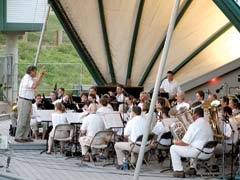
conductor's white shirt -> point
(25, 87)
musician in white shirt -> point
(230, 131)
(170, 85)
(134, 128)
(120, 95)
(162, 126)
(58, 117)
(181, 104)
(197, 134)
(35, 118)
(91, 125)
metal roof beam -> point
(202, 46)
(134, 40)
(106, 41)
(77, 42)
(183, 9)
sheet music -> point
(112, 120)
(76, 117)
(45, 115)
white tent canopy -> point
(121, 41)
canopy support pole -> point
(41, 37)
(156, 87)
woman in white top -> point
(58, 117)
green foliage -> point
(63, 64)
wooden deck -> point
(28, 164)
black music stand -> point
(45, 150)
(164, 94)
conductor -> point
(27, 86)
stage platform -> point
(28, 164)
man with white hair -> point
(181, 104)
(91, 125)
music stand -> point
(167, 123)
(112, 120)
(164, 94)
(223, 149)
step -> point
(35, 145)
(4, 108)
(4, 117)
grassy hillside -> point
(53, 57)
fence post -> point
(59, 37)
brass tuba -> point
(211, 114)
(178, 130)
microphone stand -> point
(233, 131)
(223, 151)
(226, 120)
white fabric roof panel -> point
(199, 22)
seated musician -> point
(193, 140)
(160, 103)
(144, 98)
(162, 127)
(68, 102)
(181, 101)
(93, 90)
(107, 97)
(58, 117)
(235, 106)
(120, 93)
(200, 95)
(160, 130)
(129, 103)
(230, 132)
(212, 97)
(103, 106)
(134, 128)
(81, 101)
(35, 121)
(60, 93)
(145, 114)
(92, 103)
(91, 124)
(84, 97)
(122, 110)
